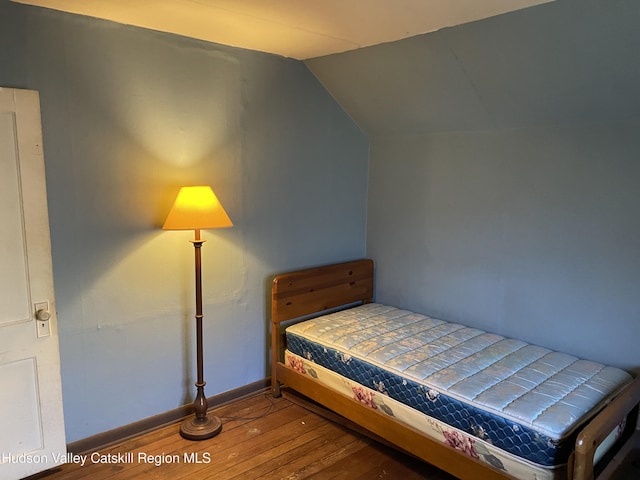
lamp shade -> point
(196, 208)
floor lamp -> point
(197, 208)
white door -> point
(31, 421)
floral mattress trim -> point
(435, 429)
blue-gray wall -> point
(532, 233)
(130, 115)
(504, 187)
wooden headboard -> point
(301, 293)
(314, 290)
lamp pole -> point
(196, 208)
(201, 426)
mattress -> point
(515, 401)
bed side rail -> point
(599, 428)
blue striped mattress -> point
(524, 399)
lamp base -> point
(200, 428)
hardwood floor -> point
(262, 438)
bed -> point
(472, 403)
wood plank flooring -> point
(262, 438)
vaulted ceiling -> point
(299, 29)
(565, 62)
(395, 68)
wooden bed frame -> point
(309, 292)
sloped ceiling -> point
(566, 62)
(293, 28)
(490, 64)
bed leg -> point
(275, 389)
(278, 342)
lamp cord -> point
(268, 396)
